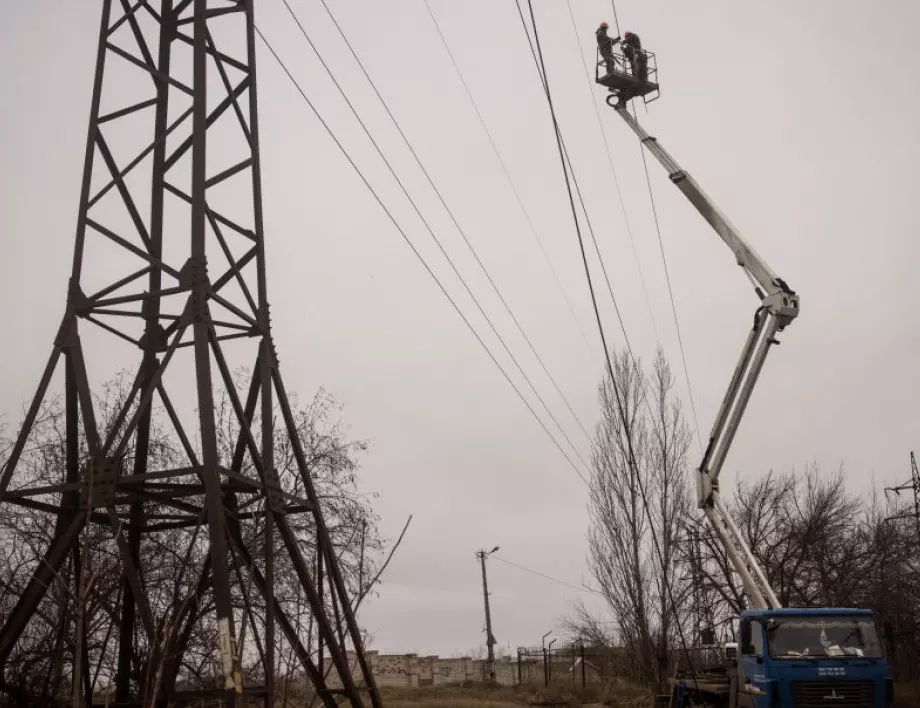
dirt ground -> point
(907, 696)
(481, 697)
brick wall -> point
(412, 670)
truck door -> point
(753, 678)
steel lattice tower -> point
(177, 286)
(914, 486)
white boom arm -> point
(779, 306)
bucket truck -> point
(783, 657)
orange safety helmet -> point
(604, 25)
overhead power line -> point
(597, 248)
(667, 275)
(580, 588)
(543, 79)
(619, 402)
(616, 181)
(453, 219)
(417, 254)
(510, 180)
(571, 196)
(616, 20)
(437, 241)
(569, 171)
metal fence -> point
(573, 663)
(583, 664)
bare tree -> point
(669, 446)
(638, 504)
(658, 564)
(806, 530)
(822, 545)
(88, 590)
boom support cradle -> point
(779, 305)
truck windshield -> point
(824, 636)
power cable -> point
(437, 241)
(597, 248)
(568, 165)
(616, 20)
(584, 209)
(543, 79)
(571, 171)
(613, 172)
(667, 275)
(581, 588)
(453, 218)
(459, 590)
(507, 173)
(683, 356)
(600, 325)
(418, 255)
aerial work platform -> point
(623, 81)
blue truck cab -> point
(811, 658)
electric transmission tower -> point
(704, 633)
(168, 269)
(913, 486)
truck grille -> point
(824, 694)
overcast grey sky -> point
(799, 119)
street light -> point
(490, 639)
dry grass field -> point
(481, 697)
(908, 696)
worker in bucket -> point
(632, 49)
(605, 45)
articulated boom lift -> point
(779, 306)
(787, 658)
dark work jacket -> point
(603, 40)
(633, 41)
